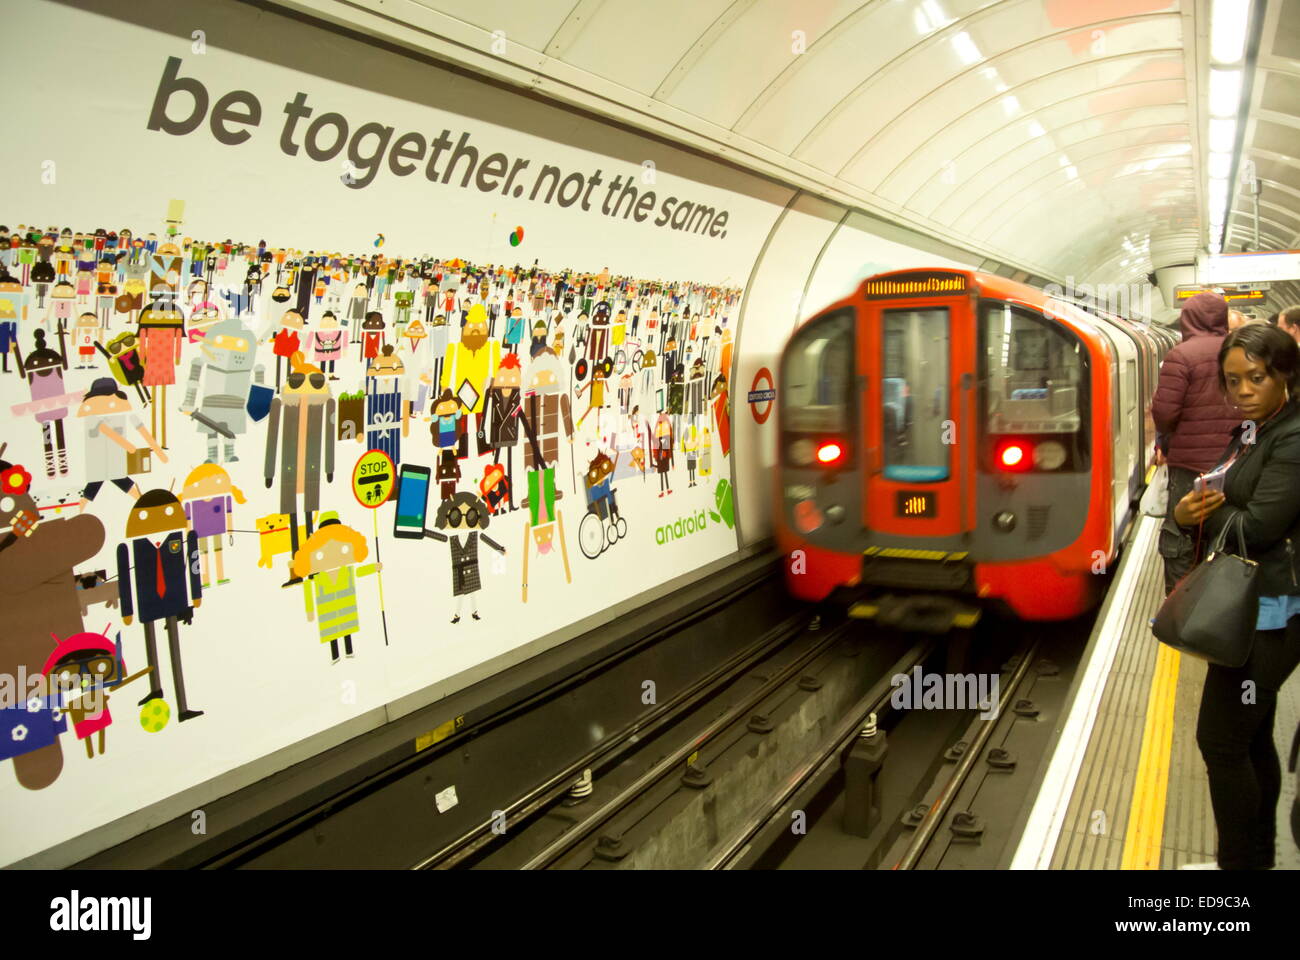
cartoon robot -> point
(388, 416)
(600, 372)
(470, 366)
(227, 371)
(162, 329)
(724, 501)
(210, 500)
(285, 342)
(125, 362)
(545, 411)
(661, 451)
(466, 516)
(503, 417)
(158, 579)
(404, 300)
(303, 413)
(330, 558)
(85, 667)
(602, 526)
(43, 369)
(87, 330)
(328, 342)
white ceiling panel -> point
(1116, 154)
(993, 161)
(763, 37)
(530, 24)
(989, 140)
(1057, 136)
(821, 80)
(636, 44)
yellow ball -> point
(154, 715)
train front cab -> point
(937, 454)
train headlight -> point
(1005, 521)
(830, 452)
(1012, 456)
(802, 452)
(1049, 455)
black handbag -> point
(1211, 613)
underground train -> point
(951, 442)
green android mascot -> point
(722, 499)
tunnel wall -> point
(257, 661)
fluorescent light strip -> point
(1228, 30)
(1225, 92)
(1218, 193)
(1223, 134)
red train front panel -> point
(941, 437)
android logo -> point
(723, 501)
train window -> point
(1033, 383)
(914, 398)
(817, 381)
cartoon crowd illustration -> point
(515, 399)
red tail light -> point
(1016, 455)
(829, 453)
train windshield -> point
(915, 401)
(817, 383)
(1032, 374)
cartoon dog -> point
(273, 537)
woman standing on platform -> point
(1259, 372)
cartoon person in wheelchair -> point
(602, 526)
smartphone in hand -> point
(1212, 480)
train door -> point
(917, 349)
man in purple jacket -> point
(1191, 413)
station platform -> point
(1126, 787)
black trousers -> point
(1176, 547)
(1235, 733)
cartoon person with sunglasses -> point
(302, 430)
(466, 515)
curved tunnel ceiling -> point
(1062, 137)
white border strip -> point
(1043, 828)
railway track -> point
(685, 797)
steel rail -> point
(671, 763)
(926, 828)
(555, 786)
(732, 848)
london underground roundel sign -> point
(762, 394)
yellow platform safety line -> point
(1146, 816)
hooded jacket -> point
(1189, 408)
